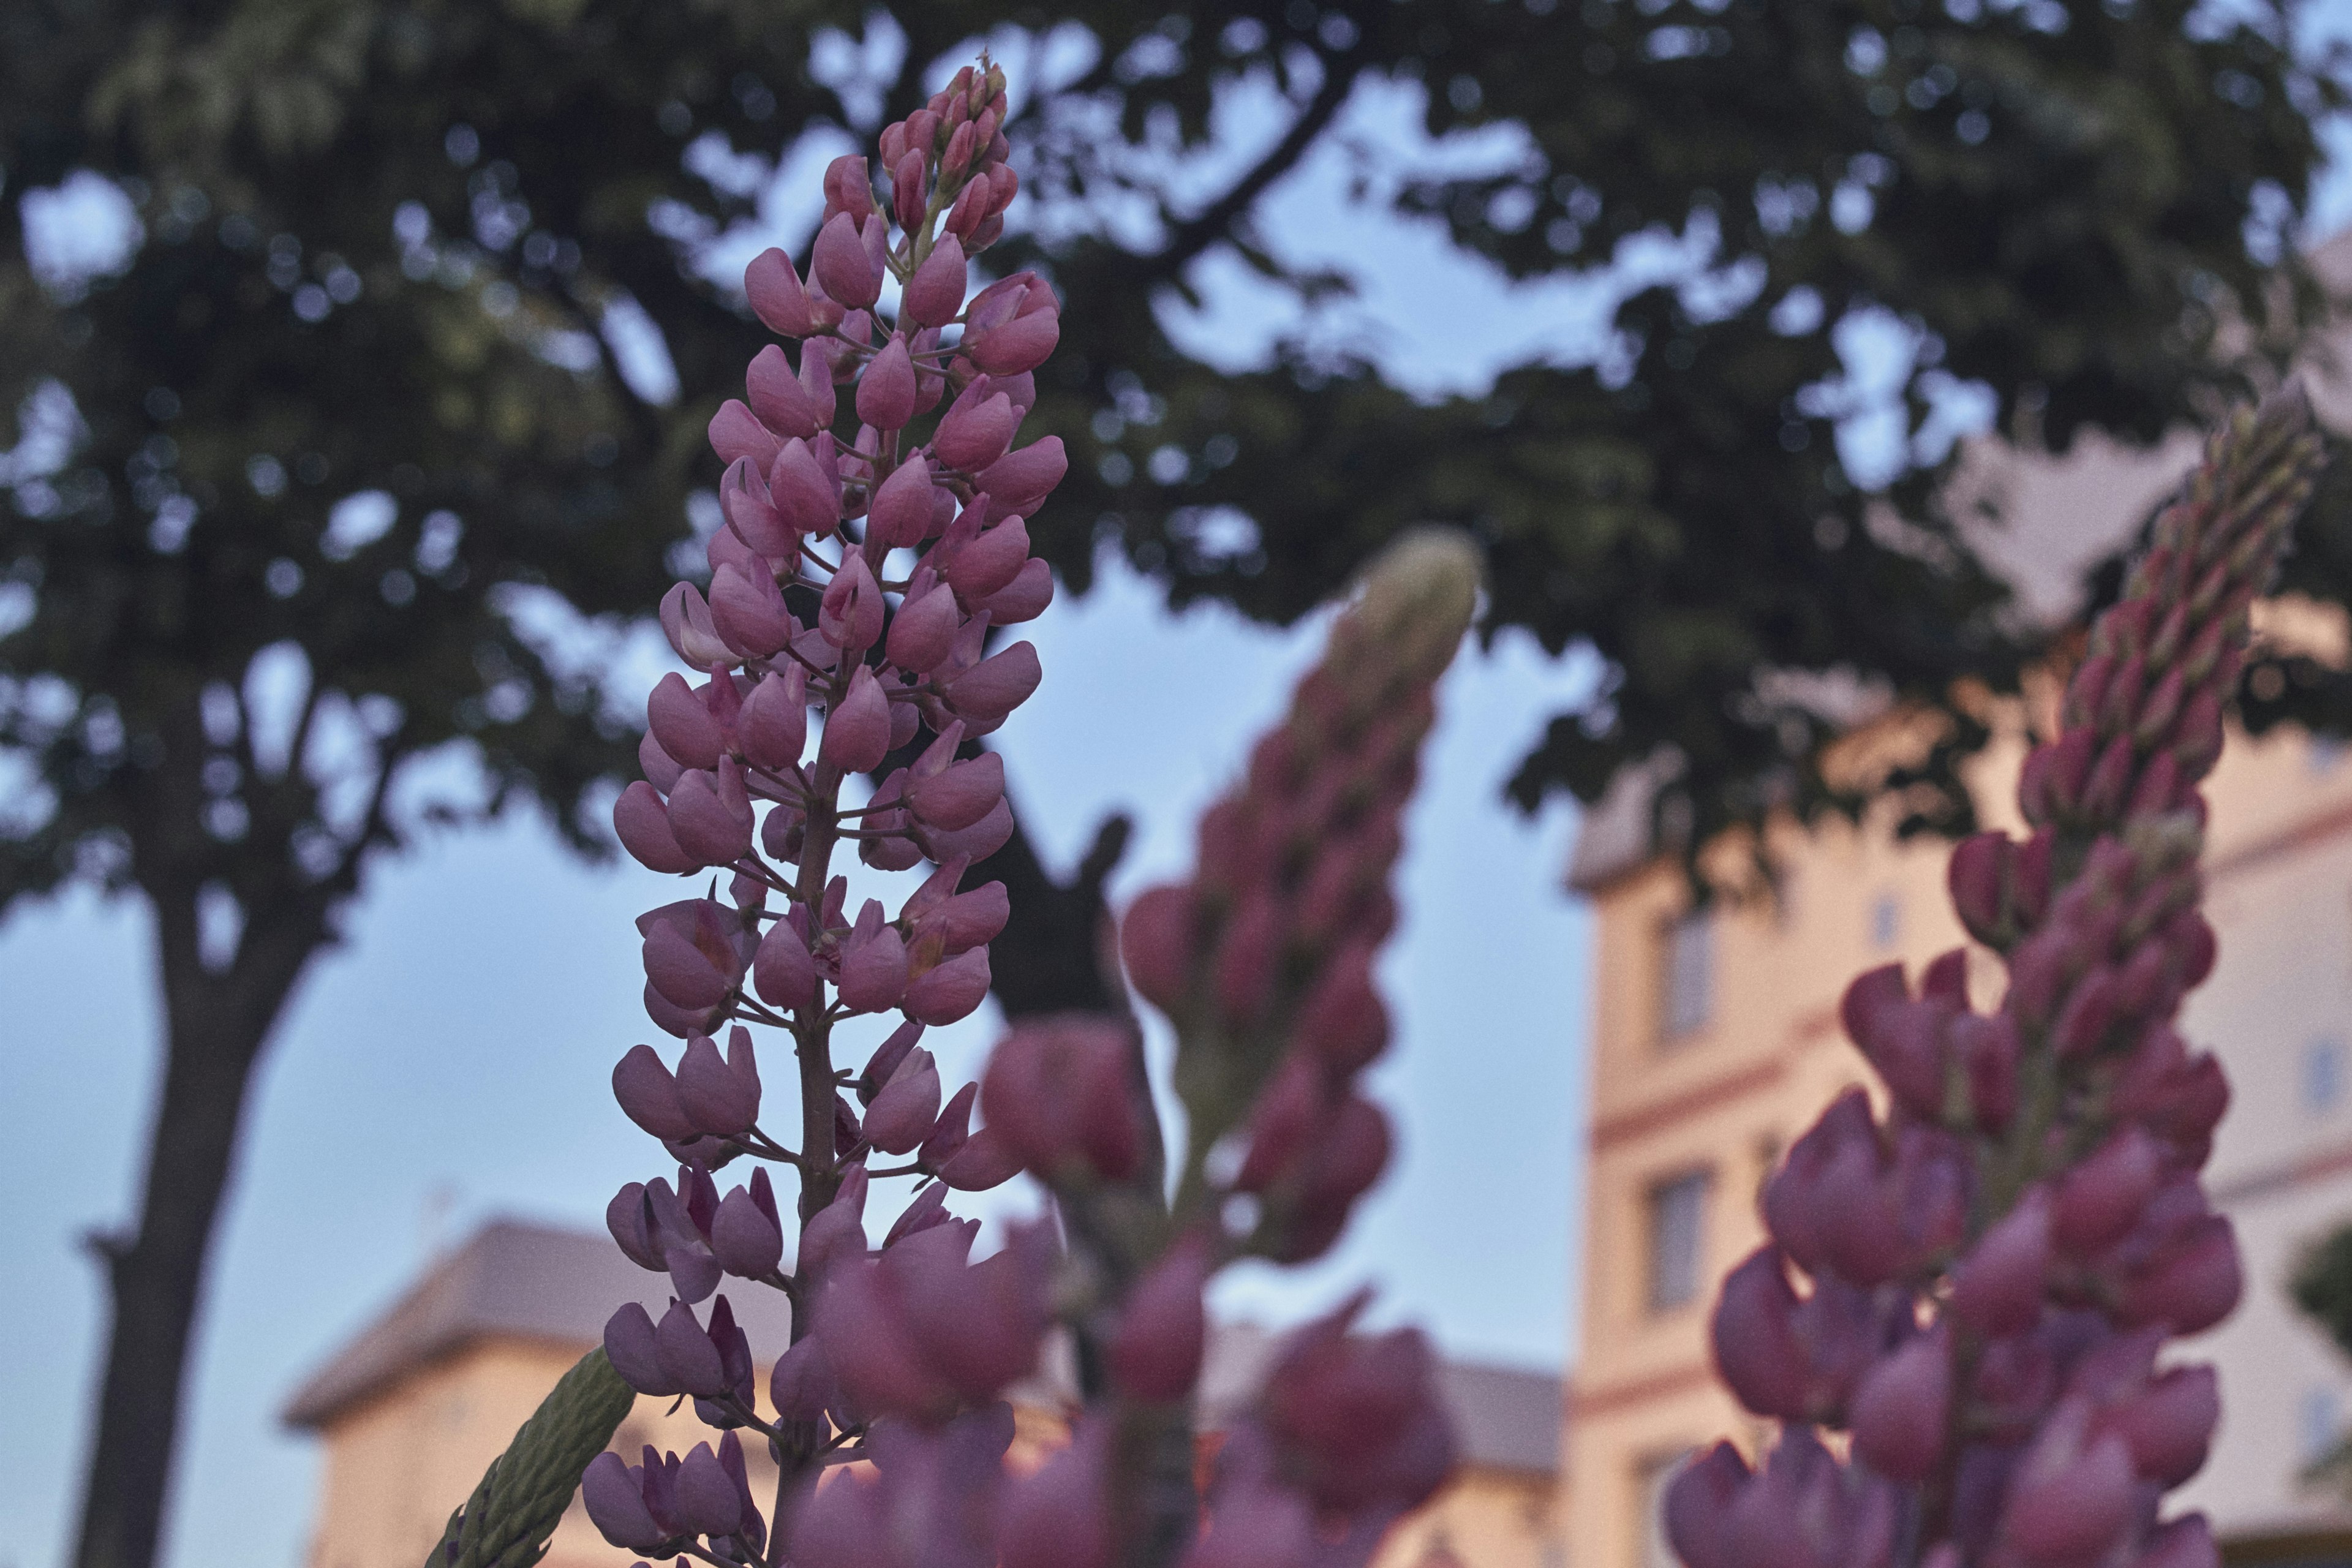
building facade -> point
(414, 1407)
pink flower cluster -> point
(863, 581)
(1977, 1285)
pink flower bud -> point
(737, 433)
(610, 1492)
(994, 687)
(1988, 1048)
(1996, 1289)
(630, 1346)
(873, 964)
(968, 919)
(2102, 1198)
(907, 195)
(1289, 1113)
(801, 1384)
(957, 157)
(1019, 482)
(2190, 1284)
(725, 546)
(773, 725)
(901, 511)
(1058, 1090)
(687, 1355)
(986, 1160)
(961, 797)
(923, 630)
(774, 391)
(1342, 1019)
(720, 1098)
(835, 1232)
(967, 213)
(1901, 1408)
(816, 374)
(1024, 343)
(777, 299)
(685, 619)
(885, 394)
(1022, 599)
(850, 615)
(627, 1217)
(991, 561)
(949, 1130)
(751, 516)
(661, 769)
(673, 1019)
(847, 187)
(682, 969)
(2068, 1503)
(1156, 942)
(935, 293)
(1699, 1508)
(978, 1326)
(680, 720)
(950, 990)
(841, 266)
(711, 815)
(1059, 1516)
(781, 970)
(802, 490)
(1861, 1236)
(908, 1104)
(866, 1341)
(846, 1525)
(975, 433)
(707, 1502)
(748, 612)
(642, 821)
(747, 1235)
(1756, 1354)
(2170, 1426)
(648, 1095)
(858, 732)
(978, 842)
(1155, 1352)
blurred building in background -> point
(1716, 1043)
(413, 1408)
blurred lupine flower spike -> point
(1976, 1287)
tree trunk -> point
(216, 1024)
(1052, 957)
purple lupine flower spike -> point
(2035, 1176)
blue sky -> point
(449, 1063)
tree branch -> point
(1203, 228)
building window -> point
(1686, 975)
(2323, 1074)
(1677, 1239)
(1885, 921)
(2320, 1422)
(1650, 1480)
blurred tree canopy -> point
(314, 483)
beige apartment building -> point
(414, 1405)
(1715, 1043)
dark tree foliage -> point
(384, 241)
